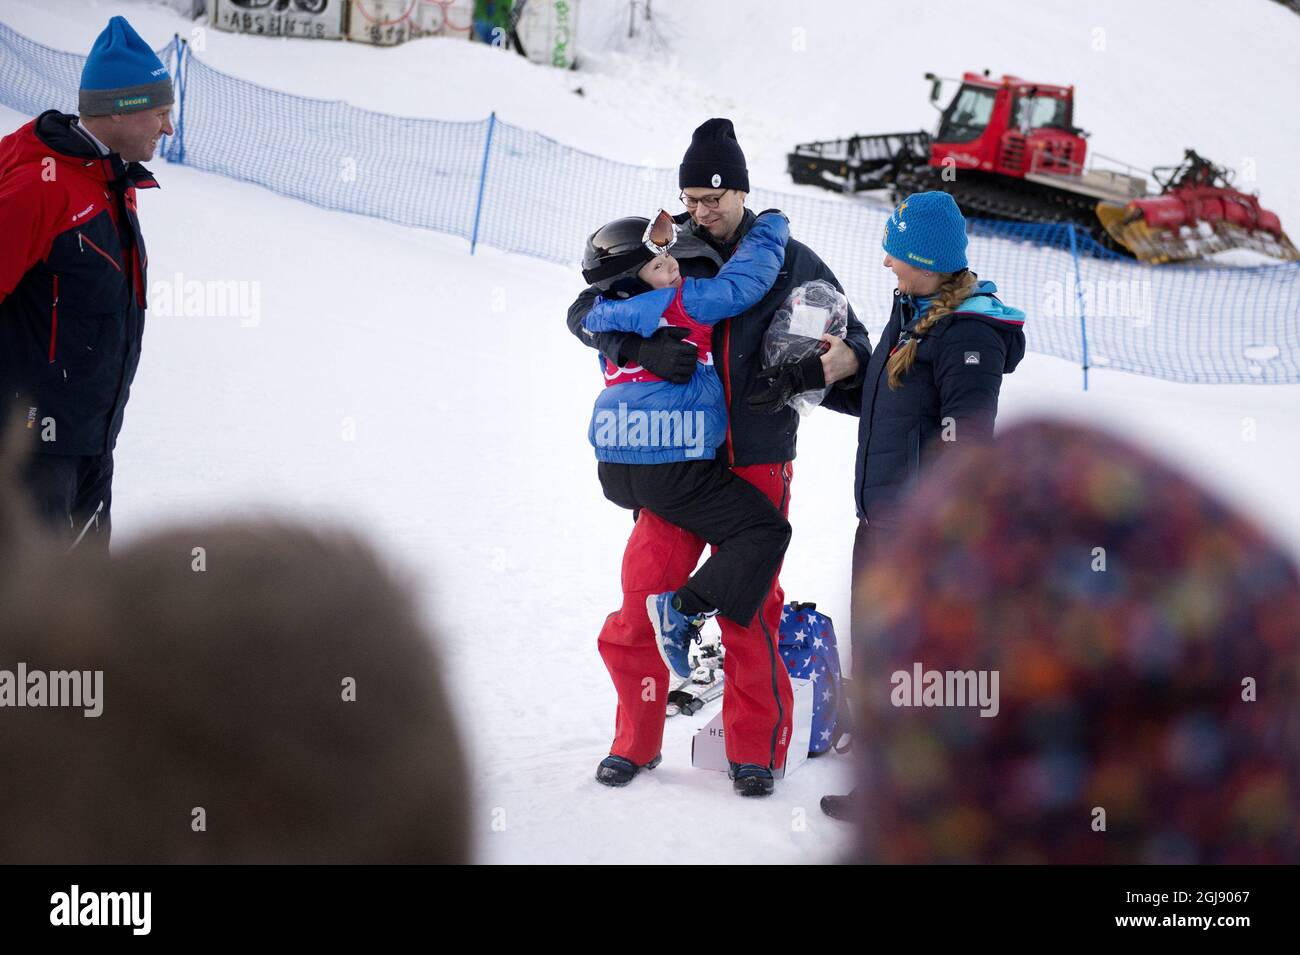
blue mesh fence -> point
(34, 78)
(520, 191)
(416, 172)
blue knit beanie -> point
(123, 74)
(927, 230)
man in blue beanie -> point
(760, 446)
(73, 280)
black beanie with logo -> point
(714, 159)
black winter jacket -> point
(72, 284)
(953, 385)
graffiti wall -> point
(314, 19)
(543, 30)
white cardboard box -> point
(708, 749)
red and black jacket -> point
(72, 284)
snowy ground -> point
(389, 381)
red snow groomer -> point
(1009, 149)
(1197, 213)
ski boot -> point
(841, 807)
(674, 632)
(618, 771)
(750, 779)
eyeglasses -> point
(709, 202)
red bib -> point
(701, 336)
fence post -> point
(482, 182)
(1078, 295)
(176, 148)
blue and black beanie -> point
(123, 74)
(927, 230)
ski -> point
(703, 686)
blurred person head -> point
(272, 697)
(1147, 653)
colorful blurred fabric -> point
(1131, 617)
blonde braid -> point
(955, 290)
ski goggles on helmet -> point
(660, 233)
(621, 247)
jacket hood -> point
(691, 246)
(709, 247)
(985, 306)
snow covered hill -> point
(1151, 78)
(365, 382)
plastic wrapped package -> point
(812, 310)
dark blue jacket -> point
(737, 342)
(72, 284)
(953, 383)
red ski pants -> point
(757, 699)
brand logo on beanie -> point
(716, 180)
(920, 258)
(897, 218)
(131, 101)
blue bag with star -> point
(809, 651)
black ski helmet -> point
(620, 248)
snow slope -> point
(1152, 78)
(389, 381)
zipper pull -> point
(80, 245)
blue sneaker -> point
(674, 632)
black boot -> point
(750, 779)
(841, 807)
(618, 771)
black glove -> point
(663, 354)
(774, 387)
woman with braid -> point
(932, 382)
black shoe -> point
(617, 771)
(841, 807)
(750, 779)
